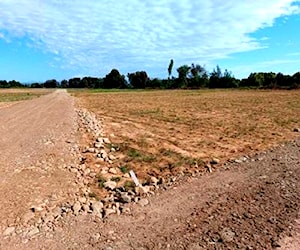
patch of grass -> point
(100, 180)
(13, 97)
(93, 195)
(116, 179)
(148, 158)
(124, 169)
(129, 185)
(133, 153)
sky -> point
(61, 39)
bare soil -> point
(249, 205)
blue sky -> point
(46, 39)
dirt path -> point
(253, 205)
(33, 150)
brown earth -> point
(249, 205)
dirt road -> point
(250, 205)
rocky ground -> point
(60, 189)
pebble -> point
(110, 185)
(215, 161)
(143, 202)
(109, 211)
(33, 232)
(76, 207)
(9, 231)
(113, 171)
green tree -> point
(138, 80)
(114, 80)
(170, 67)
(182, 76)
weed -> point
(124, 169)
(101, 180)
(116, 179)
(93, 195)
(129, 185)
(133, 153)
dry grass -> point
(170, 131)
(13, 95)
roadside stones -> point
(143, 202)
(154, 180)
(209, 168)
(76, 207)
(297, 130)
(215, 161)
(110, 185)
(113, 171)
(8, 231)
(97, 207)
(33, 232)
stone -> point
(97, 207)
(153, 180)
(227, 235)
(215, 161)
(86, 172)
(112, 157)
(113, 171)
(106, 140)
(33, 232)
(109, 211)
(125, 198)
(76, 207)
(143, 202)
(98, 145)
(110, 185)
(297, 130)
(8, 231)
(91, 150)
(140, 190)
(209, 168)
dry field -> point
(166, 132)
(9, 96)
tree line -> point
(192, 76)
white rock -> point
(112, 157)
(97, 207)
(76, 207)
(154, 180)
(110, 184)
(106, 140)
(33, 232)
(109, 211)
(113, 171)
(143, 202)
(215, 161)
(9, 231)
(140, 190)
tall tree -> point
(170, 67)
(114, 80)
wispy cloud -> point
(95, 36)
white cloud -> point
(95, 36)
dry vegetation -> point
(166, 132)
(13, 95)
